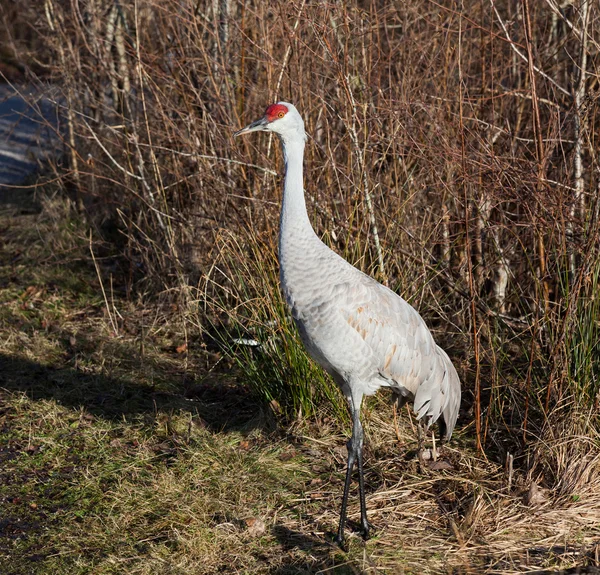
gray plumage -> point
(361, 332)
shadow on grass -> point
(223, 407)
(51, 302)
(320, 554)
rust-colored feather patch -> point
(389, 356)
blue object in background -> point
(28, 133)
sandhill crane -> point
(361, 332)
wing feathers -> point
(403, 350)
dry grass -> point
(121, 455)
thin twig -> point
(470, 278)
(106, 303)
(522, 56)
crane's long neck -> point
(294, 223)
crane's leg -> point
(364, 524)
(399, 402)
(354, 445)
(420, 442)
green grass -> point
(82, 493)
(583, 341)
(244, 292)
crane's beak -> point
(258, 126)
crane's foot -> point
(365, 531)
(340, 541)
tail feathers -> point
(450, 411)
(440, 396)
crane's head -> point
(281, 118)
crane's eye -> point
(280, 115)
